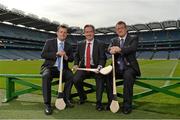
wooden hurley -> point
(60, 104)
(104, 71)
(114, 107)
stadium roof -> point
(18, 17)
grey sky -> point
(101, 13)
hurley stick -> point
(114, 107)
(60, 104)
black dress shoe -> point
(99, 107)
(69, 104)
(127, 110)
(47, 109)
(107, 107)
(82, 100)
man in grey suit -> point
(126, 66)
(90, 54)
(52, 52)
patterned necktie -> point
(121, 43)
(60, 48)
(88, 57)
(121, 58)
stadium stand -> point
(161, 55)
(22, 36)
(146, 55)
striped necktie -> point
(60, 48)
(88, 56)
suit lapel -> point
(95, 49)
(126, 41)
(117, 43)
(55, 45)
(65, 46)
(83, 48)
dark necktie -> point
(88, 57)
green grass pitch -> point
(30, 106)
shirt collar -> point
(59, 41)
(123, 37)
(92, 41)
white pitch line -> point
(171, 74)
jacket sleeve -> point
(112, 43)
(47, 53)
(70, 54)
(77, 57)
(102, 54)
(132, 47)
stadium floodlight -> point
(20, 12)
(3, 7)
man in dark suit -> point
(126, 66)
(90, 54)
(52, 52)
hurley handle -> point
(60, 75)
(114, 76)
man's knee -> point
(77, 78)
(46, 74)
(69, 76)
(129, 74)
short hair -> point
(63, 26)
(89, 25)
(121, 23)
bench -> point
(13, 79)
(154, 89)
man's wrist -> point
(66, 57)
(99, 67)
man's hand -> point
(75, 68)
(61, 53)
(115, 49)
(98, 69)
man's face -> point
(89, 33)
(62, 33)
(121, 30)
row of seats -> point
(19, 54)
(159, 35)
(23, 33)
(158, 54)
(22, 43)
(29, 54)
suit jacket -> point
(128, 51)
(49, 54)
(98, 54)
